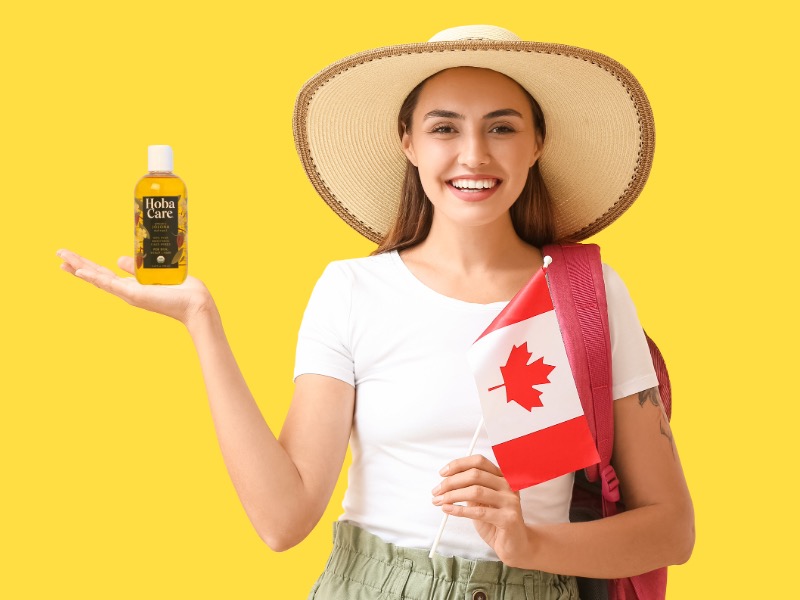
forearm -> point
(657, 531)
(626, 544)
(266, 479)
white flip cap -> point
(159, 158)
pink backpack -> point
(576, 286)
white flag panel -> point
(508, 420)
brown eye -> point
(443, 129)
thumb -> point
(125, 263)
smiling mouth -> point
(474, 185)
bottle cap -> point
(159, 158)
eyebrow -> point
(448, 114)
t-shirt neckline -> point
(433, 294)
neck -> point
(477, 248)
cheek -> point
(431, 182)
(428, 153)
(522, 160)
(432, 161)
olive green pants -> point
(364, 567)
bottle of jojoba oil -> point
(160, 222)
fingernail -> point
(437, 500)
(444, 470)
(435, 490)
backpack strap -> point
(578, 291)
(579, 297)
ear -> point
(537, 151)
(408, 148)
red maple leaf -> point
(519, 377)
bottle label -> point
(161, 242)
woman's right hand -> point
(182, 302)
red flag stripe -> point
(533, 299)
(555, 451)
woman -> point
(459, 235)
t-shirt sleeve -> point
(323, 341)
(631, 365)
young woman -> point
(503, 146)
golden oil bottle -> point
(160, 222)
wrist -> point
(201, 313)
(533, 548)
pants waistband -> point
(357, 551)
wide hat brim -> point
(596, 157)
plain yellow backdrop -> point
(113, 485)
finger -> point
(478, 494)
(126, 264)
(67, 267)
(109, 283)
(504, 518)
(79, 262)
(70, 259)
(100, 268)
(469, 477)
(475, 461)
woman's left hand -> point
(492, 505)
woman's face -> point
(473, 139)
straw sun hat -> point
(596, 156)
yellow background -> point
(112, 481)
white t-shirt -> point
(371, 323)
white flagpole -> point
(444, 519)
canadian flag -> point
(531, 408)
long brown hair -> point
(531, 213)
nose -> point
(474, 151)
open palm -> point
(180, 302)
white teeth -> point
(474, 184)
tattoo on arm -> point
(650, 395)
(653, 398)
(667, 434)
